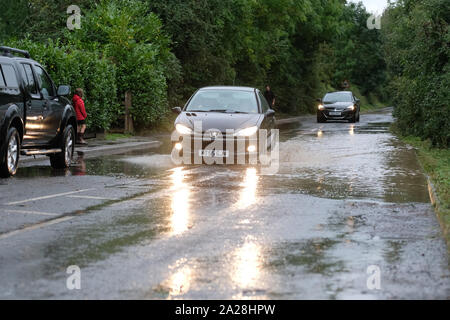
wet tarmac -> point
(346, 198)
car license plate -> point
(335, 113)
(213, 153)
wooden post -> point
(128, 119)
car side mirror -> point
(270, 113)
(63, 90)
(357, 100)
(319, 100)
(176, 110)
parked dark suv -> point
(35, 118)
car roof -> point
(249, 89)
(19, 59)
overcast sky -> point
(373, 5)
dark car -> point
(234, 113)
(35, 117)
(342, 105)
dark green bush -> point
(416, 39)
(131, 37)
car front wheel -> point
(10, 161)
(63, 159)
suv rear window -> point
(10, 76)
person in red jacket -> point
(80, 111)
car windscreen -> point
(233, 101)
(337, 97)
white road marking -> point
(31, 212)
(47, 197)
(90, 197)
(34, 227)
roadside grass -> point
(436, 163)
(369, 102)
(372, 106)
(116, 136)
(283, 115)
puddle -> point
(346, 161)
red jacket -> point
(78, 105)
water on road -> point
(347, 199)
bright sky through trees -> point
(373, 5)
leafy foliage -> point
(129, 35)
(416, 43)
(251, 43)
(358, 52)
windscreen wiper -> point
(218, 110)
(233, 111)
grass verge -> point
(372, 107)
(116, 136)
(436, 163)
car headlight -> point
(182, 129)
(246, 132)
(321, 107)
(352, 107)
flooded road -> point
(347, 199)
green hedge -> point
(416, 39)
(131, 37)
(80, 69)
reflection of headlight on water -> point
(180, 282)
(180, 203)
(247, 195)
(251, 149)
(178, 146)
(247, 264)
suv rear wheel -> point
(63, 159)
(10, 162)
